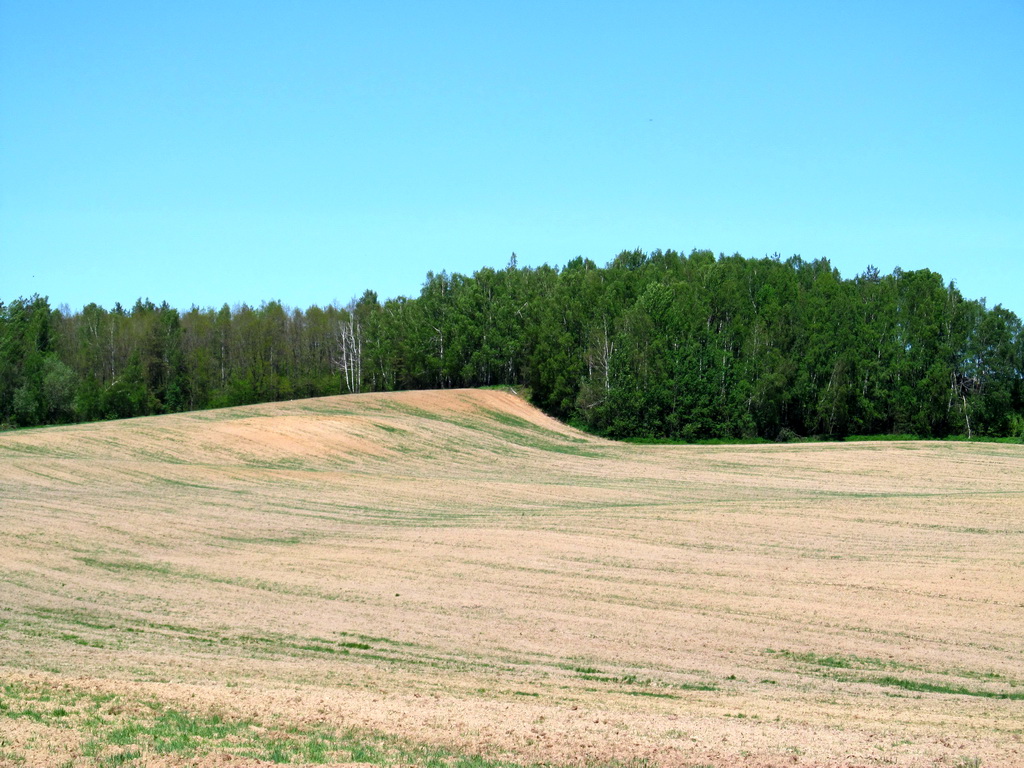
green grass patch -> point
(74, 617)
(121, 731)
(881, 438)
(696, 686)
(190, 574)
(516, 422)
(640, 686)
(953, 690)
(712, 441)
(96, 630)
(984, 439)
(897, 438)
(27, 448)
(858, 663)
(264, 539)
(77, 640)
(128, 566)
(834, 661)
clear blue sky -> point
(212, 152)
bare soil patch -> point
(457, 569)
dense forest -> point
(658, 345)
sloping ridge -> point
(317, 433)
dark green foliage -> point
(36, 387)
(658, 346)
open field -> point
(452, 578)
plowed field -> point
(454, 571)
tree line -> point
(652, 345)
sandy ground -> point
(456, 568)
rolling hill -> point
(454, 569)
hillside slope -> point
(458, 568)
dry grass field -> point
(454, 579)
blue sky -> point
(224, 152)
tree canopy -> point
(652, 345)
